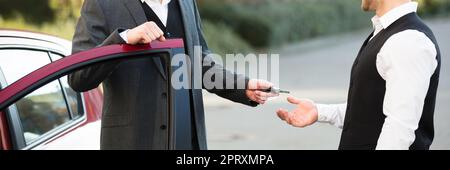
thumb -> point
(293, 100)
(162, 38)
(263, 84)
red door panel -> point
(5, 141)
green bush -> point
(431, 8)
(239, 20)
(222, 40)
(268, 23)
(39, 12)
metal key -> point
(276, 90)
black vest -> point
(364, 117)
(174, 28)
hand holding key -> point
(257, 90)
(260, 90)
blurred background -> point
(240, 25)
(317, 41)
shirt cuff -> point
(123, 34)
(324, 113)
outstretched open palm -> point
(303, 115)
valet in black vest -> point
(186, 135)
(364, 118)
(393, 86)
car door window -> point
(16, 63)
(43, 110)
(73, 98)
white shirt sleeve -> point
(407, 61)
(333, 114)
(124, 36)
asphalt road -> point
(319, 70)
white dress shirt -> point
(161, 9)
(406, 62)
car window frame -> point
(80, 96)
(12, 113)
(73, 123)
(14, 124)
(4, 138)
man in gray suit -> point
(135, 114)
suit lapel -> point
(190, 29)
(136, 11)
(187, 21)
(138, 14)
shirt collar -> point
(152, 3)
(393, 15)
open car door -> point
(12, 137)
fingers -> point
(260, 100)
(263, 96)
(287, 117)
(141, 35)
(145, 34)
(283, 114)
(155, 33)
(293, 100)
(256, 90)
(255, 84)
(155, 30)
(262, 84)
(162, 38)
(150, 32)
(272, 94)
(145, 38)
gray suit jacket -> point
(134, 90)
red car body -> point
(73, 134)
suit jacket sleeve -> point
(92, 31)
(236, 94)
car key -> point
(275, 90)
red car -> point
(38, 109)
